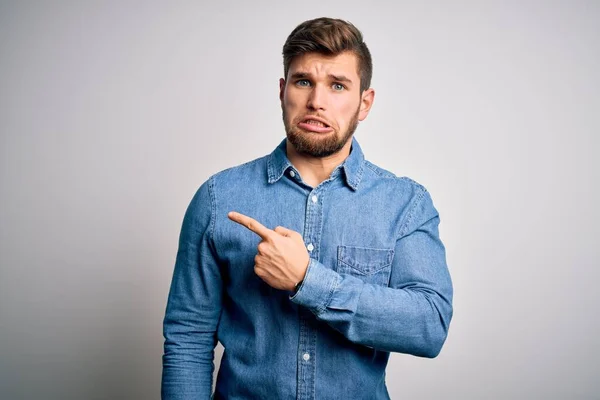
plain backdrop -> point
(112, 113)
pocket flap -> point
(365, 260)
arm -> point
(193, 307)
(412, 315)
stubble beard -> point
(317, 144)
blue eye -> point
(338, 87)
(303, 82)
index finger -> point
(251, 224)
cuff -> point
(317, 287)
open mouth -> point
(314, 124)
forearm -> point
(188, 366)
(190, 326)
(412, 320)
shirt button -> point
(310, 247)
(314, 198)
(306, 356)
(292, 174)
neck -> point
(315, 170)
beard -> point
(318, 144)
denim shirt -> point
(377, 282)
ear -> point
(281, 88)
(366, 102)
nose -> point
(317, 98)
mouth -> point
(314, 124)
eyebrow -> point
(302, 75)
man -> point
(310, 265)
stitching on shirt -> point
(358, 175)
(332, 289)
(270, 169)
(213, 205)
(275, 169)
(411, 212)
(385, 174)
(380, 171)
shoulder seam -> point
(411, 212)
(379, 171)
(213, 205)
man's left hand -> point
(282, 258)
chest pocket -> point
(370, 265)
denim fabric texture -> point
(377, 282)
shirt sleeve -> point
(193, 307)
(412, 314)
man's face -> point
(322, 102)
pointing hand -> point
(282, 258)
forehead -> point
(318, 64)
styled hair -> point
(329, 36)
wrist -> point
(298, 284)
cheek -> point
(290, 95)
(289, 103)
(346, 110)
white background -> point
(112, 113)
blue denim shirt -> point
(377, 282)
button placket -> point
(308, 333)
(312, 210)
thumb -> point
(284, 231)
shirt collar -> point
(278, 164)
